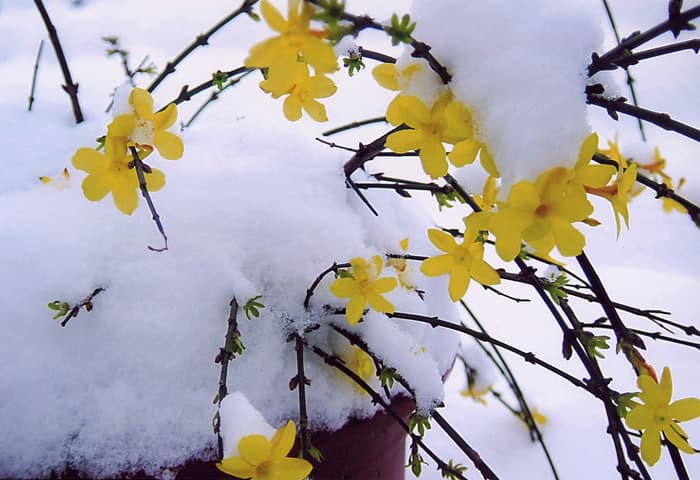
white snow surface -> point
(257, 207)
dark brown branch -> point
(380, 57)
(224, 356)
(200, 41)
(36, 71)
(663, 120)
(352, 125)
(69, 86)
(85, 303)
(186, 94)
(637, 39)
(634, 58)
(139, 167)
(310, 291)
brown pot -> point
(364, 449)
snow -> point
(257, 207)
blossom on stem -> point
(447, 121)
(658, 415)
(618, 193)
(461, 262)
(263, 459)
(110, 173)
(669, 204)
(541, 213)
(403, 271)
(392, 78)
(363, 287)
(295, 39)
(147, 129)
(301, 90)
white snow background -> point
(257, 206)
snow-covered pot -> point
(364, 449)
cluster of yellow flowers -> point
(112, 171)
(287, 58)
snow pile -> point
(523, 79)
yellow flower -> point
(110, 172)
(462, 262)
(475, 394)
(147, 129)
(403, 271)
(541, 213)
(537, 416)
(301, 91)
(448, 121)
(294, 39)
(465, 152)
(263, 459)
(391, 78)
(487, 199)
(658, 415)
(364, 287)
(669, 204)
(60, 182)
(587, 174)
(657, 166)
(618, 193)
(613, 153)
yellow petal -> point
(165, 118)
(155, 180)
(458, 121)
(432, 156)
(651, 446)
(292, 469)
(685, 409)
(322, 86)
(355, 308)
(407, 109)
(379, 303)
(125, 197)
(237, 467)
(265, 53)
(315, 110)
(437, 265)
(385, 75)
(459, 282)
(292, 108)
(488, 163)
(88, 160)
(142, 102)
(96, 186)
(404, 140)
(464, 153)
(442, 240)
(384, 285)
(483, 273)
(343, 287)
(272, 16)
(595, 175)
(640, 417)
(282, 441)
(254, 449)
(570, 242)
(318, 54)
(587, 150)
(665, 387)
(169, 145)
(677, 436)
(122, 125)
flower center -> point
(264, 471)
(143, 133)
(543, 211)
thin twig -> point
(312, 288)
(186, 94)
(215, 96)
(85, 303)
(300, 382)
(138, 165)
(352, 125)
(69, 86)
(36, 70)
(225, 355)
(200, 41)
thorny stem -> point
(225, 355)
(301, 382)
(473, 455)
(663, 120)
(630, 80)
(635, 40)
(36, 70)
(85, 303)
(529, 357)
(634, 58)
(215, 96)
(186, 94)
(310, 291)
(335, 362)
(69, 87)
(200, 41)
(138, 166)
(352, 125)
